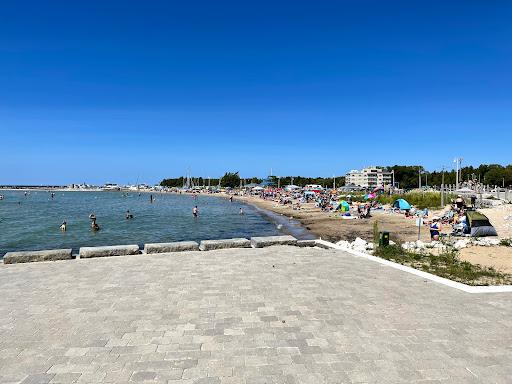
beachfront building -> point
(369, 177)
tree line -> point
(405, 175)
(233, 180)
(490, 174)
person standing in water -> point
(94, 226)
(64, 226)
(151, 198)
(241, 211)
(195, 211)
(129, 215)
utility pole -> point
(419, 177)
(458, 162)
(334, 182)
(442, 189)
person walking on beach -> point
(195, 211)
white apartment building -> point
(369, 177)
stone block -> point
(260, 242)
(209, 245)
(178, 246)
(306, 243)
(113, 250)
(35, 256)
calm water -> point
(34, 224)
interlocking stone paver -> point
(240, 316)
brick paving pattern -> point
(252, 316)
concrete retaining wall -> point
(260, 242)
(35, 256)
(114, 250)
(208, 245)
(178, 246)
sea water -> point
(32, 221)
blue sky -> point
(144, 90)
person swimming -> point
(64, 226)
(195, 211)
(94, 226)
(129, 215)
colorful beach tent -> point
(402, 204)
(344, 206)
(479, 224)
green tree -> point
(230, 179)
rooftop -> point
(270, 315)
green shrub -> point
(418, 199)
(506, 242)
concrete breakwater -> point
(127, 250)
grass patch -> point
(418, 199)
(446, 265)
(506, 242)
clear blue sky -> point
(102, 91)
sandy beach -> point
(331, 227)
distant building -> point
(369, 177)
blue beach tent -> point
(402, 204)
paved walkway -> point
(253, 316)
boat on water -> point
(111, 187)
